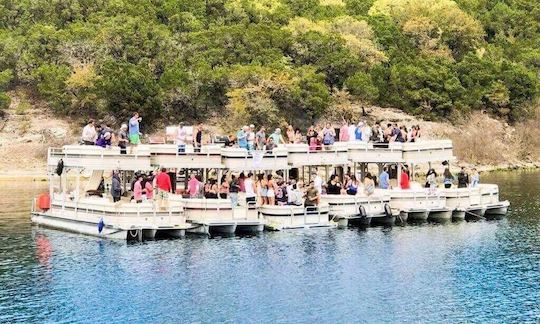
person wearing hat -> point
(277, 137)
(123, 139)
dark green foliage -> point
(190, 60)
(129, 88)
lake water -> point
(486, 271)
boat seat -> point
(156, 140)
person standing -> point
(262, 189)
(116, 187)
(223, 187)
(475, 178)
(404, 179)
(149, 189)
(241, 182)
(329, 135)
(387, 133)
(251, 137)
(369, 184)
(181, 137)
(313, 196)
(376, 133)
(138, 189)
(431, 181)
(241, 137)
(290, 134)
(89, 133)
(123, 139)
(134, 131)
(298, 136)
(366, 132)
(311, 137)
(352, 131)
(164, 187)
(448, 178)
(384, 179)
(193, 186)
(234, 188)
(463, 178)
(317, 182)
(260, 138)
(277, 137)
(250, 189)
(358, 132)
(198, 138)
(272, 188)
(344, 132)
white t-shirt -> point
(352, 134)
(366, 133)
(251, 138)
(89, 133)
(181, 136)
(317, 183)
(248, 185)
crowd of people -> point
(320, 136)
(104, 136)
(317, 137)
(274, 189)
(266, 188)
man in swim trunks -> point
(134, 133)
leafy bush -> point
(271, 61)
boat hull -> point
(442, 215)
(295, 217)
(497, 211)
(475, 213)
(384, 220)
(73, 226)
(417, 215)
(458, 214)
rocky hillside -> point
(26, 131)
(29, 128)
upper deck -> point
(98, 158)
(146, 157)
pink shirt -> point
(344, 133)
(149, 190)
(193, 187)
(137, 191)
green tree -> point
(126, 88)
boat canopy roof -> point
(214, 156)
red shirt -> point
(163, 182)
(405, 181)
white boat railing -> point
(282, 156)
(307, 210)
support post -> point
(399, 174)
(326, 173)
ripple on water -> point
(462, 272)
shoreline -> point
(36, 176)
